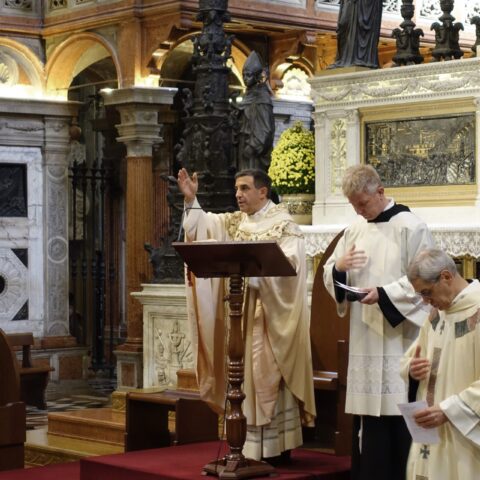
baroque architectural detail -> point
(458, 241)
(416, 82)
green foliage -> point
(292, 168)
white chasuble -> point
(277, 328)
(374, 384)
(451, 341)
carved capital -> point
(138, 108)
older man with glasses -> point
(445, 360)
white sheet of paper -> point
(349, 288)
(419, 434)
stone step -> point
(42, 448)
(103, 425)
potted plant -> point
(292, 170)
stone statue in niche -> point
(358, 32)
(256, 122)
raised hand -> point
(352, 259)
(419, 367)
(187, 185)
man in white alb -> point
(373, 254)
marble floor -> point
(95, 395)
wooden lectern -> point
(235, 260)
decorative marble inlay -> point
(57, 249)
(15, 279)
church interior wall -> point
(79, 37)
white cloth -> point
(277, 328)
(374, 385)
(451, 341)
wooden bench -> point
(329, 337)
(12, 410)
(33, 379)
(147, 420)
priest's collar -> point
(261, 212)
(390, 211)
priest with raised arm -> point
(278, 366)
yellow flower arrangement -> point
(292, 168)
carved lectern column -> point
(236, 425)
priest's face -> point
(438, 294)
(369, 205)
(250, 199)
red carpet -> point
(179, 463)
(62, 471)
(185, 462)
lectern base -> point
(231, 469)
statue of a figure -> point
(156, 255)
(256, 122)
(358, 31)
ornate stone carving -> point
(338, 154)
(25, 5)
(57, 4)
(411, 83)
(57, 249)
(14, 276)
(457, 240)
(8, 69)
(430, 8)
(295, 84)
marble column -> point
(57, 145)
(139, 130)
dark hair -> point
(260, 178)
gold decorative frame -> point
(425, 195)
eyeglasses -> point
(428, 292)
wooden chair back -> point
(9, 372)
(326, 326)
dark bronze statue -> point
(407, 37)
(476, 21)
(358, 31)
(256, 120)
(447, 34)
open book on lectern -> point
(222, 259)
